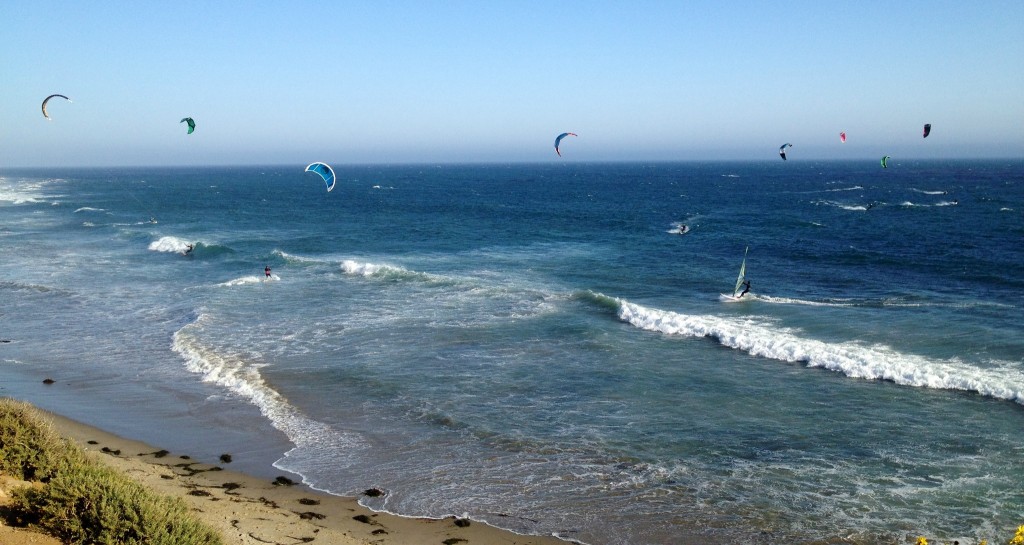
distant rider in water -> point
(266, 270)
(746, 288)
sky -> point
(420, 81)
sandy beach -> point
(255, 511)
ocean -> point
(536, 346)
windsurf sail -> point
(191, 124)
(558, 141)
(927, 130)
(782, 150)
(842, 137)
(324, 171)
(885, 162)
(743, 274)
(47, 99)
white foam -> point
(89, 209)
(841, 205)
(241, 281)
(853, 359)
(679, 228)
(854, 188)
(169, 244)
(791, 301)
(366, 269)
(19, 197)
(926, 192)
(299, 258)
(242, 377)
(27, 191)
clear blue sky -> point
(469, 81)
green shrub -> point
(30, 449)
(83, 502)
(93, 504)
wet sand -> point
(257, 511)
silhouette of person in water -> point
(266, 270)
(746, 288)
(188, 251)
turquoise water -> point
(533, 346)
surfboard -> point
(726, 298)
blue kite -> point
(559, 140)
(325, 171)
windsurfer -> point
(746, 288)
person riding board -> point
(746, 288)
(266, 270)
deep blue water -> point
(533, 346)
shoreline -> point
(250, 510)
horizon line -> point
(516, 162)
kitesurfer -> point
(746, 288)
(266, 270)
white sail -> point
(743, 271)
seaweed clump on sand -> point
(78, 500)
(281, 480)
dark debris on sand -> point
(283, 481)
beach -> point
(249, 510)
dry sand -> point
(252, 511)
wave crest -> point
(234, 372)
(851, 359)
(169, 244)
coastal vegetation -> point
(78, 500)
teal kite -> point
(191, 124)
